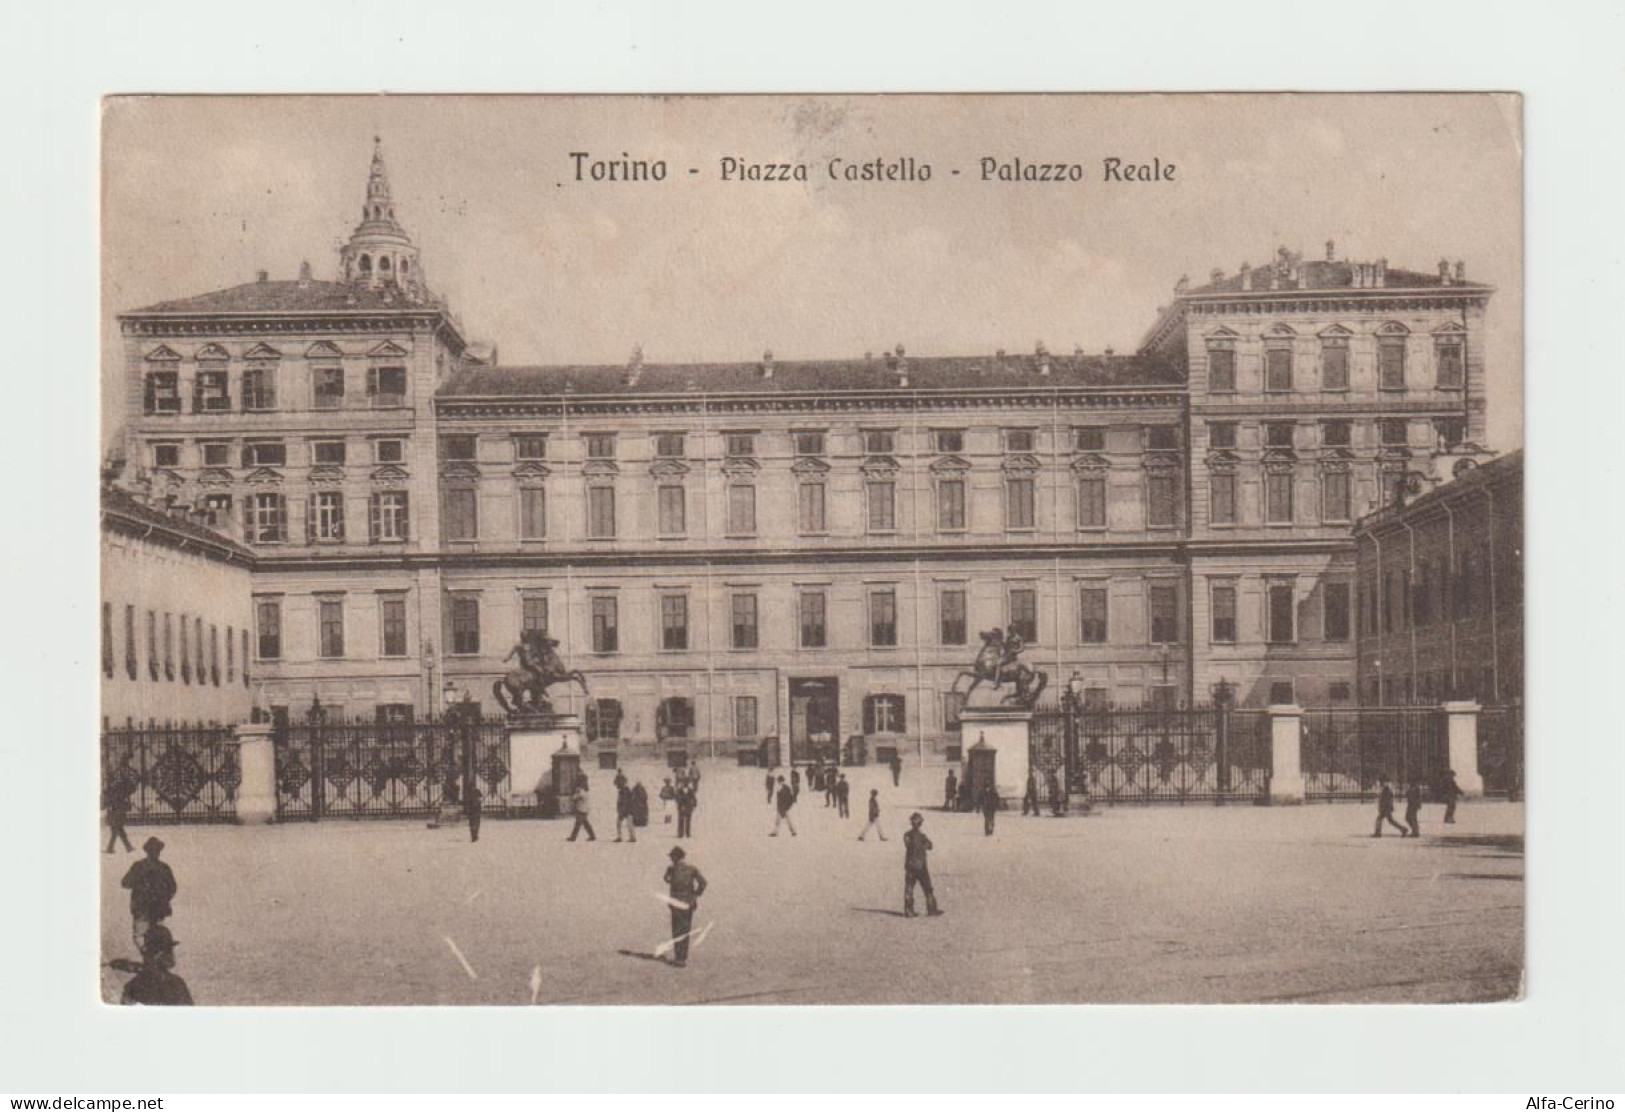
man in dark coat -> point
(990, 809)
(843, 796)
(771, 784)
(116, 801)
(786, 800)
(828, 776)
(1385, 809)
(578, 808)
(152, 887)
(874, 816)
(916, 869)
(896, 769)
(1057, 797)
(1029, 800)
(623, 812)
(687, 800)
(1413, 809)
(475, 808)
(640, 805)
(950, 791)
(1452, 792)
(795, 781)
(155, 983)
(687, 885)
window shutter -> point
(310, 519)
(375, 517)
(150, 399)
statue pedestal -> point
(532, 741)
(1008, 732)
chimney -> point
(1444, 272)
(1110, 353)
(262, 276)
(767, 363)
(1331, 249)
(1182, 285)
(1382, 274)
(1461, 272)
(1042, 354)
(304, 275)
(634, 365)
(1246, 276)
(902, 366)
(1216, 275)
(998, 360)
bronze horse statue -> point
(997, 664)
(540, 667)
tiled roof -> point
(978, 372)
(293, 297)
(1326, 275)
(122, 504)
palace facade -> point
(793, 548)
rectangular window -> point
(166, 455)
(669, 445)
(739, 444)
(1278, 497)
(1449, 432)
(810, 507)
(107, 639)
(330, 618)
(1450, 369)
(1391, 365)
(604, 720)
(1164, 614)
(465, 625)
(459, 449)
(1338, 692)
(392, 625)
(809, 442)
(882, 499)
(883, 618)
(884, 714)
(606, 630)
(389, 451)
(1019, 510)
(216, 453)
(1224, 613)
(327, 387)
(265, 453)
(600, 445)
(1283, 609)
(197, 642)
(268, 519)
(952, 624)
(1092, 502)
(231, 653)
(259, 387)
(1281, 694)
(532, 513)
(814, 633)
(461, 513)
(673, 622)
(212, 392)
(672, 500)
(185, 649)
(1334, 366)
(1278, 434)
(268, 622)
(743, 608)
(1162, 438)
(1092, 629)
(388, 514)
(1221, 370)
(745, 716)
(163, 392)
(950, 505)
(1278, 370)
(530, 446)
(953, 704)
(1161, 504)
(533, 614)
(386, 386)
(1336, 495)
(1393, 431)
(152, 645)
(1221, 434)
(1337, 605)
(601, 512)
(1089, 439)
(1024, 614)
(741, 509)
(1422, 595)
(949, 440)
(1222, 498)
(1336, 434)
(1020, 440)
(169, 646)
(245, 658)
(327, 452)
(879, 442)
(327, 516)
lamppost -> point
(1072, 700)
(317, 716)
(1224, 697)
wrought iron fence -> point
(172, 774)
(369, 769)
(1500, 750)
(1345, 753)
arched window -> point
(383, 262)
(366, 264)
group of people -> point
(1447, 789)
(152, 889)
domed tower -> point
(380, 253)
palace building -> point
(806, 549)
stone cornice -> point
(1339, 300)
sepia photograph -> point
(811, 550)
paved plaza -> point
(1128, 904)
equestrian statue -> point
(997, 664)
(524, 690)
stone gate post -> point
(1461, 724)
(256, 760)
(1286, 744)
(1008, 730)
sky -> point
(199, 193)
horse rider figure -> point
(525, 688)
(998, 663)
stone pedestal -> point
(1286, 744)
(1461, 722)
(532, 741)
(256, 760)
(1008, 731)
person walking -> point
(668, 797)
(916, 868)
(476, 808)
(771, 784)
(687, 800)
(620, 779)
(896, 769)
(686, 885)
(786, 800)
(1029, 799)
(950, 791)
(623, 812)
(1385, 809)
(1413, 809)
(116, 802)
(640, 804)
(1452, 792)
(578, 807)
(829, 777)
(1057, 798)
(990, 809)
(156, 982)
(874, 816)
(843, 796)
(152, 888)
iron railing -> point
(1500, 750)
(1345, 753)
(172, 774)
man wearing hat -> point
(687, 885)
(152, 887)
(154, 983)
(916, 870)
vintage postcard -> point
(807, 550)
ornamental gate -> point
(1500, 750)
(1161, 755)
(1346, 752)
(370, 769)
(172, 774)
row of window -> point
(1436, 593)
(675, 719)
(1280, 495)
(274, 453)
(257, 390)
(176, 648)
(265, 516)
(1280, 612)
(1448, 432)
(1279, 358)
(330, 643)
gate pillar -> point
(256, 762)
(1286, 743)
(1461, 725)
(1007, 730)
